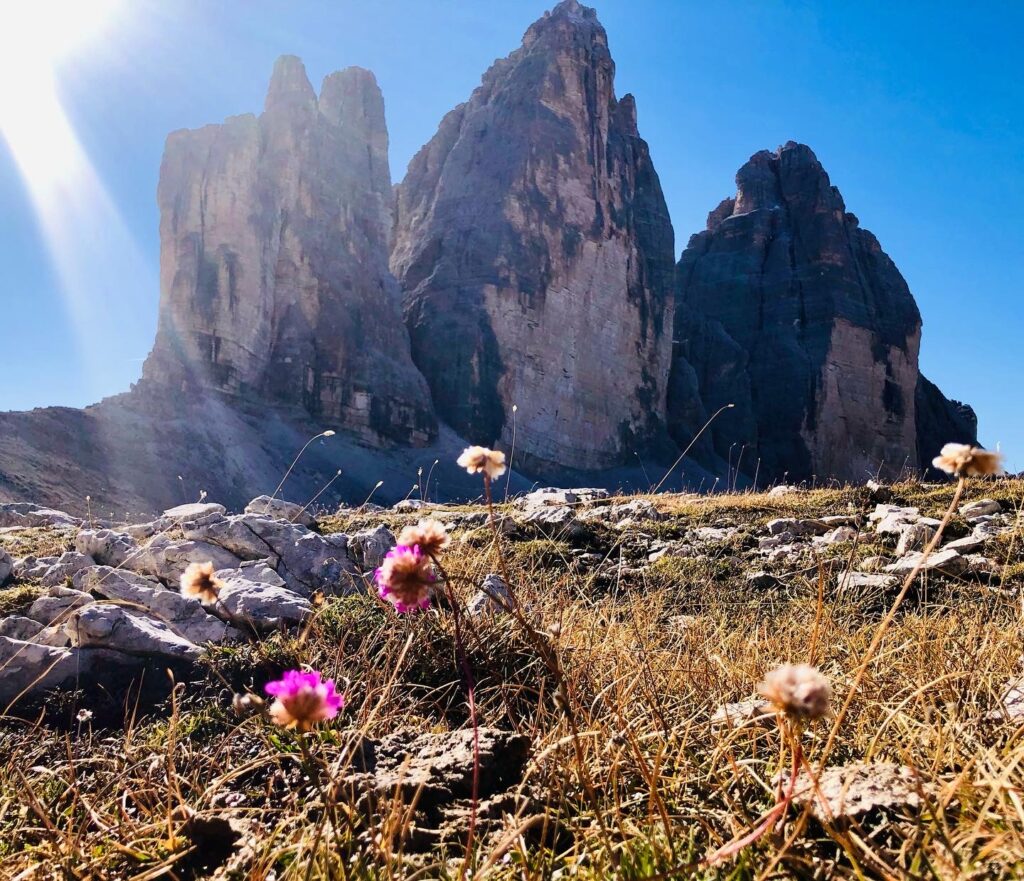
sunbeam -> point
(88, 242)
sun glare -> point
(81, 225)
(34, 38)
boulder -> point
(914, 538)
(167, 559)
(867, 582)
(6, 567)
(105, 546)
(57, 605)
(627, 513)
(25, 515)
(106, 625)
(943, 561)
(438, 768)
(494, 597)
(279, 509)
(305, 560)
(185, 617)
(964, 545)
(192, 511)
(19, 627)
(860, 790)
(368, 547)
(980, 508)
(26, 668)
(259, 605)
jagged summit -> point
(274, 277)
(519, 288)
(289, 85)
(787, 307)
(532, 236)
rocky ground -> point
(617, 729)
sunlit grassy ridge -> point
(646, 786)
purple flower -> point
(303, 699)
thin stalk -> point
(885, 624)
(696, 437)
(328, 433)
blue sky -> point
(914, 108)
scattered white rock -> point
(979, 508)
(742, 714)
(105, 546)
(493, 597)
(106, 625)
(965, 545)
(279, 509)
(914, 538)
(761, 580)
(980, 566)
(555, 521)
(783, 490)
(872, 564)
(879, 492)
(839, 534)
(943, 560)
(193, 511)
(407, 506)
(628, 513)
(368, 547)
(867, 581)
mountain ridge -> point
(520, 287)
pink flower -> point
(405, 578)
(303, 699)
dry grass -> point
(646, 787)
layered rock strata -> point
(274, 246)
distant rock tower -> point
(789, 309)
(274, 246)
(535, 251)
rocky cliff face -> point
(790, 310)
(274, 245)
(536, 255)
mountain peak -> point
(289, 85)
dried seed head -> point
(478, 460)
(798, 690)
(199, 582)
(967, 461)
(429, 536)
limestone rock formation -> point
(535, 251)
(787, 308)
(274, 246)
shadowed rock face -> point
(274, 280)
(790, 310)
(536, 255)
